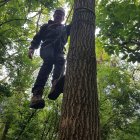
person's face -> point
(58, 16)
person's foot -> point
(37, 102)
(57, 88)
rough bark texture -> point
(80, 119)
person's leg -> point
(43, 75)
(36, 101)
(58, 78)
(57, 89)
(59, 67)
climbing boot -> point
(36, 101)
(57, 88)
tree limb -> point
(11, 21)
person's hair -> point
(60, 9)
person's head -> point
(59, 15)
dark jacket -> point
(52, 34)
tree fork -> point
(80, 115)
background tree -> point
(118, 87)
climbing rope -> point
(84, 9)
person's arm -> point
(31, 53)
(36, 40)
(68, 28)
(35, 43)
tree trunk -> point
(5, 131)
(80, 116)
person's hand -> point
(30, 53)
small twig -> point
(37, 23)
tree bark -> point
(80, 116)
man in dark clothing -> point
(53, 36)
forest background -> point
(118, 70)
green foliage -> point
(18, 23)
(4, 90)
(119, 22)
(27, 123)
(118, 81)
(119, 101)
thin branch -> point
(45, 123)
(29, 6)
(12, 20)
(24, 127)
(42, 3)
(2, 43)
(37, 23)
(4, 2)
(35, 15)
(5, 78)
(136, 42)
(2, 122)
(3, 32)
(131, 42)
(133, 75)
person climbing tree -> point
(53, 36)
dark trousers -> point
(56, 60)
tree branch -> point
(4, 2)
(23, 129)
(12, 20)
(37, 23)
